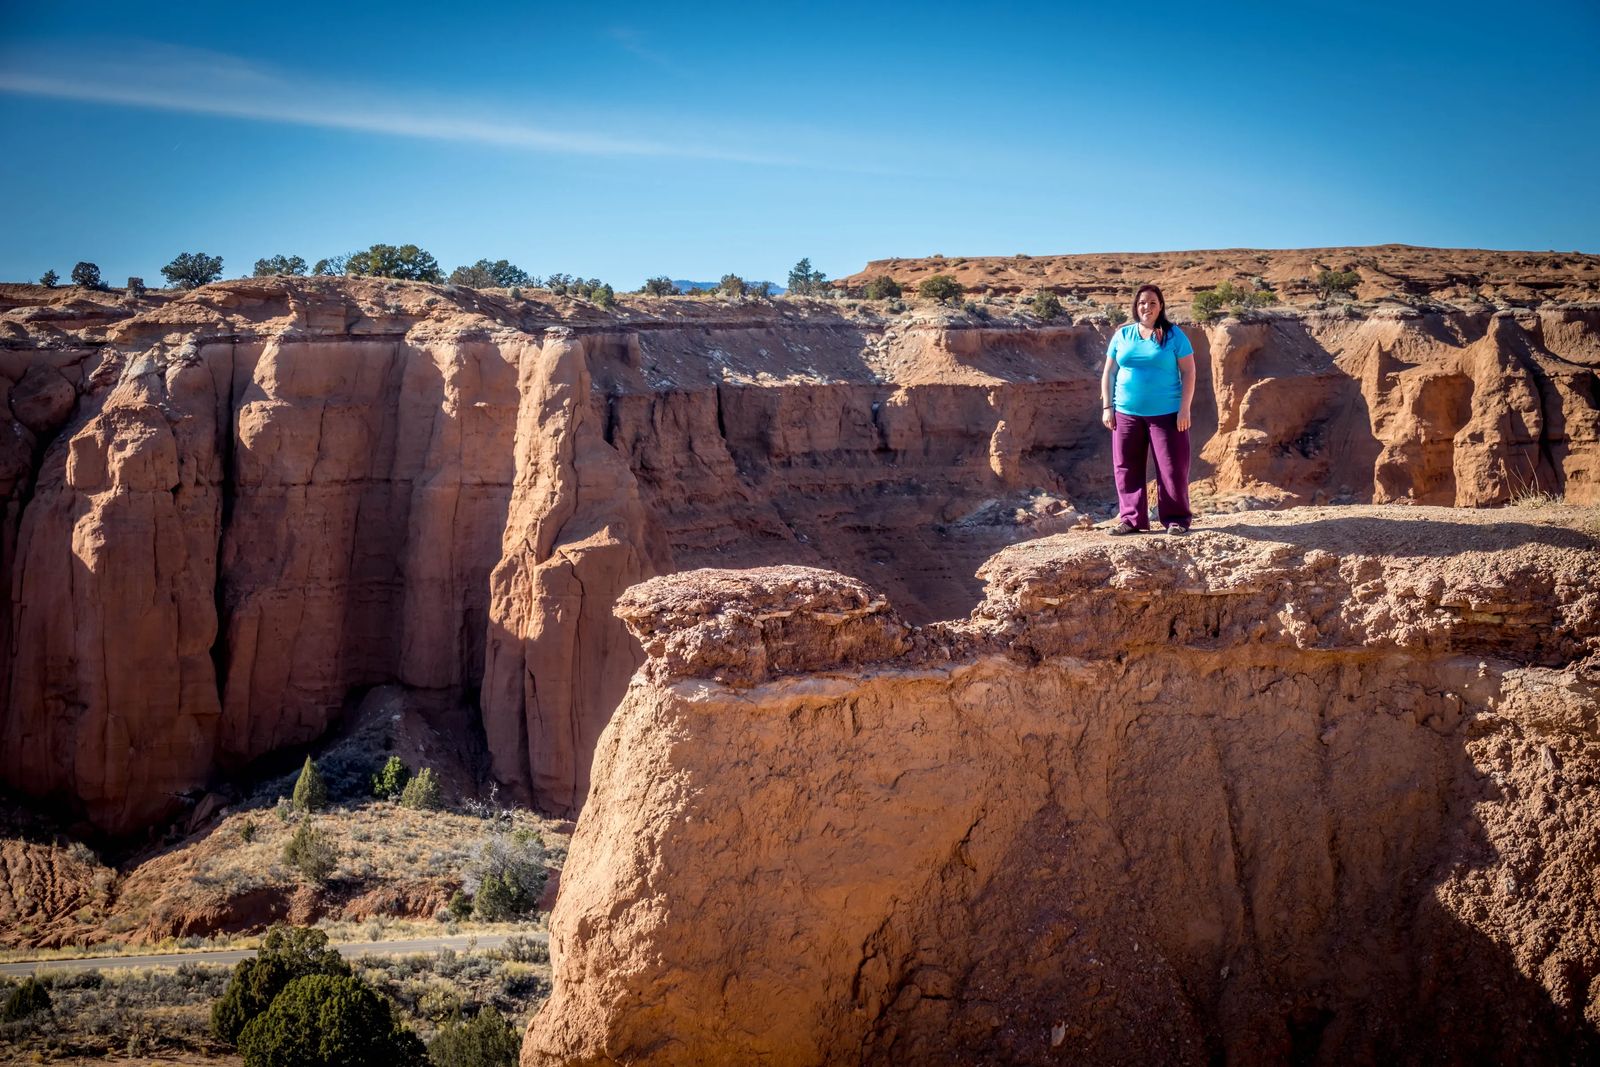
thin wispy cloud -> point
(208, 83)
(632, 42)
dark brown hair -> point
(1163, 324)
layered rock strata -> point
(1309, 787)
(229, 514)
(1400, 274)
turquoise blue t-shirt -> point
(1147, 381)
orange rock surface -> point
(228, 514)
(1314, 785)
(1393, 273)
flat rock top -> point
(1397, 531)
(1388, 272)
(1521, 582)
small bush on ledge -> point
(1332, 283)
(1045, 304)
(423, 792)
(882, 287)
(391, 781)
(1209, 303)
(941, 287)
(311, 852)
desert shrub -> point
(391, 781)
(90, 979)
(495, 900)
(516, 292)
(323, 1019)
(407, 262)
(1331, 283)
(486, 1040)
(500, 274)
(525, 949)
(941, 287)
(559, 284)
(287, 953)
(521, 986)
(759, 290)
(311, 852)
(882, 287)
(1045, 304)
(310, 791)
(423, 792)
(86, 275)
(190, 270)
(460, 907)
(731, 285)
(29, 998)
(136, 285)
(49, 278)
(661, 286)
(804, 280)
(1208, 303)
(273, 265)
(1117, 314)
(506, 875)
(604, 295)
(247, 830)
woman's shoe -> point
(1123, 529)
(1175, 530)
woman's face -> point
(1147, 308)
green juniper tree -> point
(273, 265)
(190, 270)
(310, 790)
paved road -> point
(460, 943)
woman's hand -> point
(1108, 418)
(1183, 417)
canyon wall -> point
(1312, 787)
(228, 514)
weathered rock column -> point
(577, 535)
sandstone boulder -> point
(1315, 785)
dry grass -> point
(396, 867)
(164, 1014)
(128, 1013)
(1534, 498)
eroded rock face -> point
(1309, 786)
(229, 514)
(1469, 410)
(577, 536)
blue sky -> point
(691, 140)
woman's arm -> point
(1186, 372)
(1108, 417)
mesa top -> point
(1147, 381)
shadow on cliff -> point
(1415, 987)
(1377, 930)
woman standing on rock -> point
(1145, 392)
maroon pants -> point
(1134, 438)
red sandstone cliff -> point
(230, 513)
(1314, 786)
